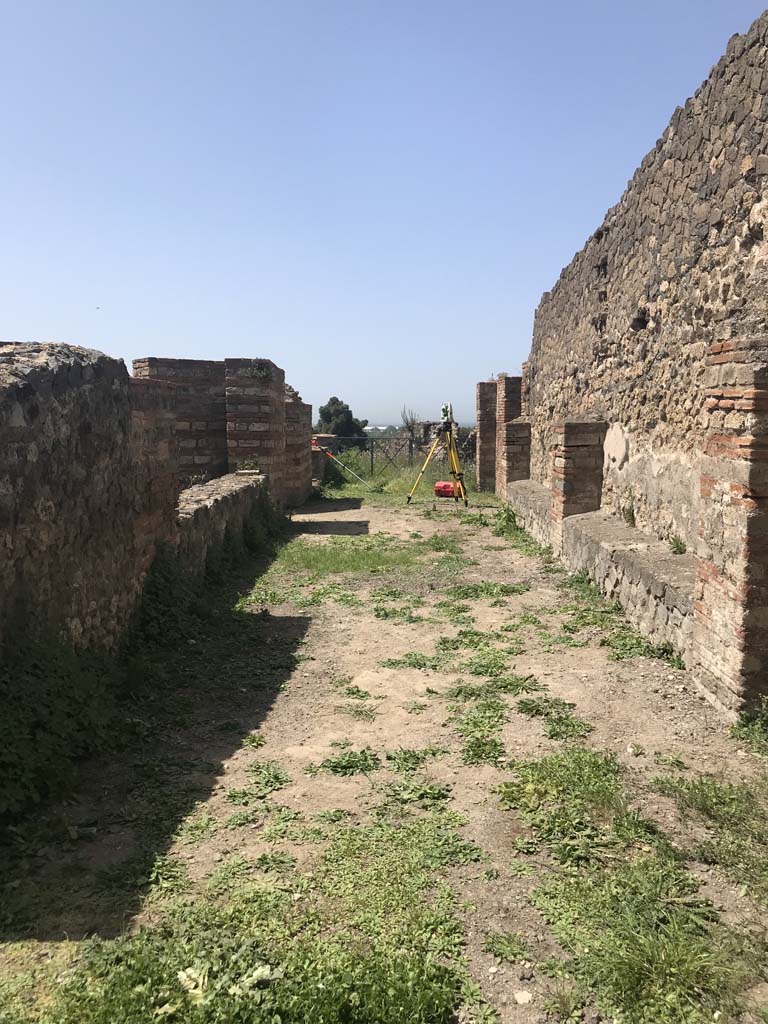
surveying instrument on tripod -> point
(445, 439)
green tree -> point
(336, 418)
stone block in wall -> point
(200, 411)
(514, 452)
(730, 637)
(255, 409)
(485, 466)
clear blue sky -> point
(373, 194)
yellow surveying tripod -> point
(446, 437)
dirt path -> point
(382, 648)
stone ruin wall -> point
(674, 267)
(644, 403)
(90, 478)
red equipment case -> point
(444, 489)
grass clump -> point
(508, 946)
(561, 723)
(416, 659)
(479, 727)
(752, 728)
(644, 943)
(477, 591)
(737, 814)
(570, 799)
(373, 939)
(352, 762)
(357, 555)
(505, 525)
(360, 712)
(407, 759)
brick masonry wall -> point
(508, 407)
(201, 422)
(87, 489)
(675, 267)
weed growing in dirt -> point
(416, 659)
(415, 707)
(625, 642)
(254, 739)
(479, 726)
(456, 612)
(352, 762)
(197, 828)
(508, 946)
(506, 526)
(360, 712)
(420, 792)
(561, 723)
(514, 685)
(445, 543)
(479, 591)
(406, 759)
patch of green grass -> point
(480, 591)
(455, 612)
(752, 728)
(352, 762)
(487, 661)
(408, 759)
(444, 542)
(227, 875)
(370, 936)
(508, 946)
(514, 685)
(561, 723)
(167, 878)
(737, 813)
(570, 799)
(240, 819)
(404, 614)
(416, 707)
(677, 546)
(644, 943)
(482, 749)
(355, 693)
(254, 739)
(197, 828)
(333, 816)
(416, 659)
(421, 792)
(267, 777)
(359, 555)
(506, 526)
(625, 642)
(276, 861)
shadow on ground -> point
(348, 528)
(325, 505)
(80, 867)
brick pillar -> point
(255, 395)
(577, 472)
(516, 451)
(485, 460)
(729, 646)
(298, 449)
(507, 408)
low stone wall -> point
(654, 586)
(208, 511)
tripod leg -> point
(427, 461)
(459, 487)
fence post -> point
(410, 449)
(373, 449)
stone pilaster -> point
(577, 471)
(255, 398)
(516, 451)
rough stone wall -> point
(87, 489)
(674, 268)
(201, 421)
